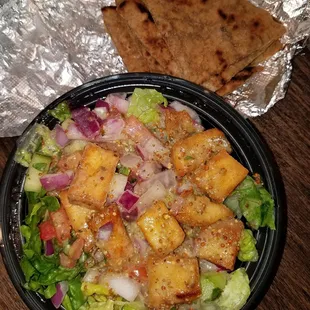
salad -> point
(135, 205)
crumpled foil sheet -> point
(48, 47)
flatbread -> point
(275, 47)
(135, 57)
(212, 39)
(142, 24)
(238, 80)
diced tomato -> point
(61, 223)
(76, 249)
(47, 231)
(138, 273)
(66, 261)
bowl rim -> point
(274, 249)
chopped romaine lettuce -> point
(267, 209)
(106, 305)
(91, 288)
(61, 112)
(75, 293)
(51, 203)
(253, 202)
(212, 284)
(43, 272)
(144, 105)
(236, 291)
(66, 303)
(209, 305)
(248, 251)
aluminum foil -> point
(48, 47)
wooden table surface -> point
(286, 129)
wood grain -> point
(286, 129)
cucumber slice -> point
(38, 166)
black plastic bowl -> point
(248, 148)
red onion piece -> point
(73, 133)
(124, 287)
(141, 245)
(131, 160)
(56, 181)
(184, 187)
(176, 205)
(113, 128)
(176, 105)
(129, 186)
(167, 178)
(143, 152)
(127, 199)
(126, 203)
(206, 266)
(137, 131)
(86, 121)
(118, 102)
(102, 113)
(156, 150)
(49, 248)
(148, 169)
(61, 291)
(105, 231)
(61, 137)
(117, 186)
(156, 192)
(129, 215)
(92, 276)
(102, 104)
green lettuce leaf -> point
(75, 293)
(51, 203)
(253, 202)
(61, 112)
(212, 284)
(248, 251)
(236, 291)
(144, 105)
(267, 209)
(66, 303)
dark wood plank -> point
(286, 129)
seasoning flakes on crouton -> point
(116, 245)
(78, 216)
(179, 125)
(161, 230)
(220, 176)
(219, 242)
(92, 180)
(172, 280)
(200, 211)
(188, 154)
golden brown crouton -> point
(179, 125)
(118, 247)
(78, 216)
(172, 280)
(219, 243)
(92, 180)
(219, 177)
(200, 211)
(189, 153)
(161, 230)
